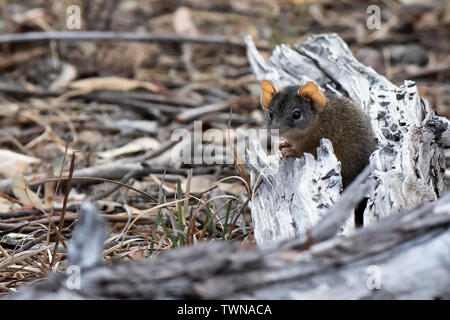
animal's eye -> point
(296, 114)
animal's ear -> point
(268, 90)
(310, 91)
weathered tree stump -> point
(402, 256)
(407, 169)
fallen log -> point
(407, 169)
(404, 256)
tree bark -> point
(404, 256)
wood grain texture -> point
(298, 210)
(410, 250)
(408, 168)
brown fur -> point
(304, 115)
(348, 129)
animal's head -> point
(292, 107)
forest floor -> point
(94, 119)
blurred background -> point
(117, 102)
(413, 42)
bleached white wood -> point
(409, 249)
(408, 252)
(408, 169)
(289, 197)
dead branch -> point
(298, 209)
(123, 36)
(411, 245)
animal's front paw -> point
(284, 144)
(288, 152)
